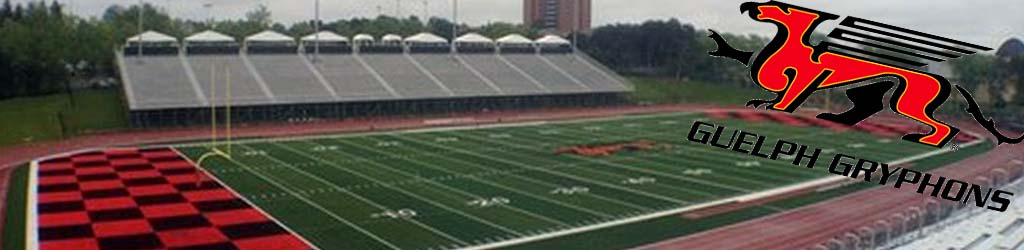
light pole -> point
(316, 35)
(575, 24)
(209, 14)
(426, 11)
(455, 24)
(141, 6)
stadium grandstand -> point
(943, 225)
(972, 229)
(269, 76)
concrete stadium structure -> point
(272, 77)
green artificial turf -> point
(456, 188)
(14, 219)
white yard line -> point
(550, 185)
(326, 211)
(245, 199)
(31, 217)
(744, 198)
(464, 193)
(666, 157)
(622, 166)
(618, 175)
(599, 183)
(431, 202)
(782, 167)
(403, 191)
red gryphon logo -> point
(793, 68)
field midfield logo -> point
(793, 68)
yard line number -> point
(570, 190)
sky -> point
(986, 22)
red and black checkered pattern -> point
(145, 199)
(881, 130)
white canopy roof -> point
(209, 36)
(391, 38)
(152, 37)
(425, 37)
(473, 38)
(515, 39)
(326, 36)
(363, 38)
(552, 40)
(269, 36)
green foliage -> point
(260, 16)
(34, 49)
(28, 119)
(500, 29)
(975, 69)
(654, 46)
(999, 74)
(667, 48)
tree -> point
(56, 10)
(6, 11)
(499, 29)
(261, 17)
(302, 28)
(18, 12)
(440, 26)
(6, 86)
(657, 47)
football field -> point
(491, 186)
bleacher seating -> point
(290, 79)
(351, 80)
(584, 72)
(163, 82)
(405, 77)
(511, 81)
(457, 77)
(245, 90)
(984, 230)
(553, 77)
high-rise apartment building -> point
(557, 15)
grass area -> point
(29, 119)
(457, 188)
(14, 219)
(667, 90)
